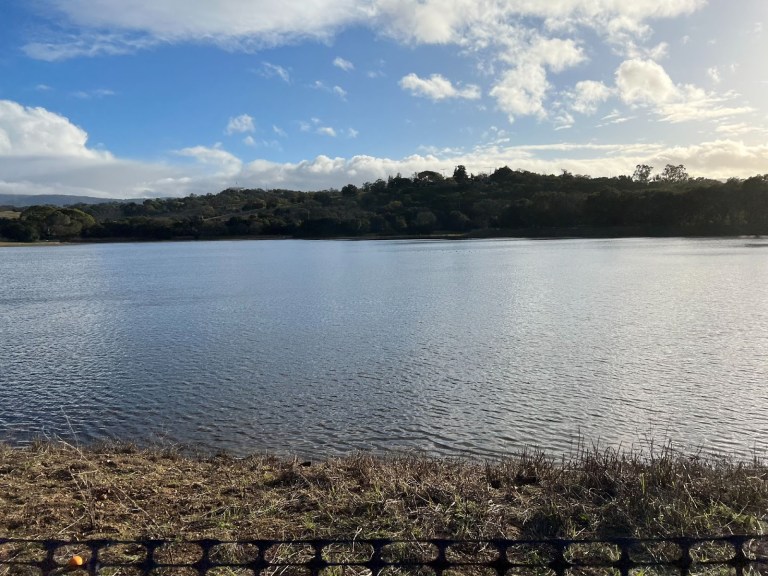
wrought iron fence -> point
(733, 555)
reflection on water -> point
(473, 348)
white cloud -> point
(555, 53)
(89, 94)
(345, 65)
(521, 91)
(335, 90)
(615, 117)
(716, 159)
(696, 104)
(316, 126)
(279, 131)
(222, 162)
(269, 70)
(436, 87)
(563, 121)
(232, 24)
(43, 152)
(736, 129)
(474, 23)
(26, 131)
(644, 83)
(240, 124)
(89, 44)
(253, 24)
(588, 95)
(513, 39)
(249, 141)
(268, 22)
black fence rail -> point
(733, 555)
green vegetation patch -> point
(504, 203)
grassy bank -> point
(9, 244)
(54, 490)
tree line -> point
(504, 203)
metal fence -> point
(734, 555)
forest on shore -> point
(504, 203)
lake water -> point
(319, 348)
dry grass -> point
(55, 490)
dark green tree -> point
(674, 173)
(460, 174)
(642, 173)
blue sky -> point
(143, 98)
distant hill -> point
(52, 199)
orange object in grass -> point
(75, 562)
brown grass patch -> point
(55, 490)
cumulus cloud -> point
(521, 91)
(436, 87)
(477, 24)
(644, 83)
(26, 131)
(43, 152)
(555, 53)
(240, 124)
(516, 40)
(216, 158)
(587, 95)
(250, 24)
(715, 159)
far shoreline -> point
(515, 234)
(11, 244)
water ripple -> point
(322, 348)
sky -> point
(158, 98)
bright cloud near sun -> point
(135, 98)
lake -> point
(456, 348)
